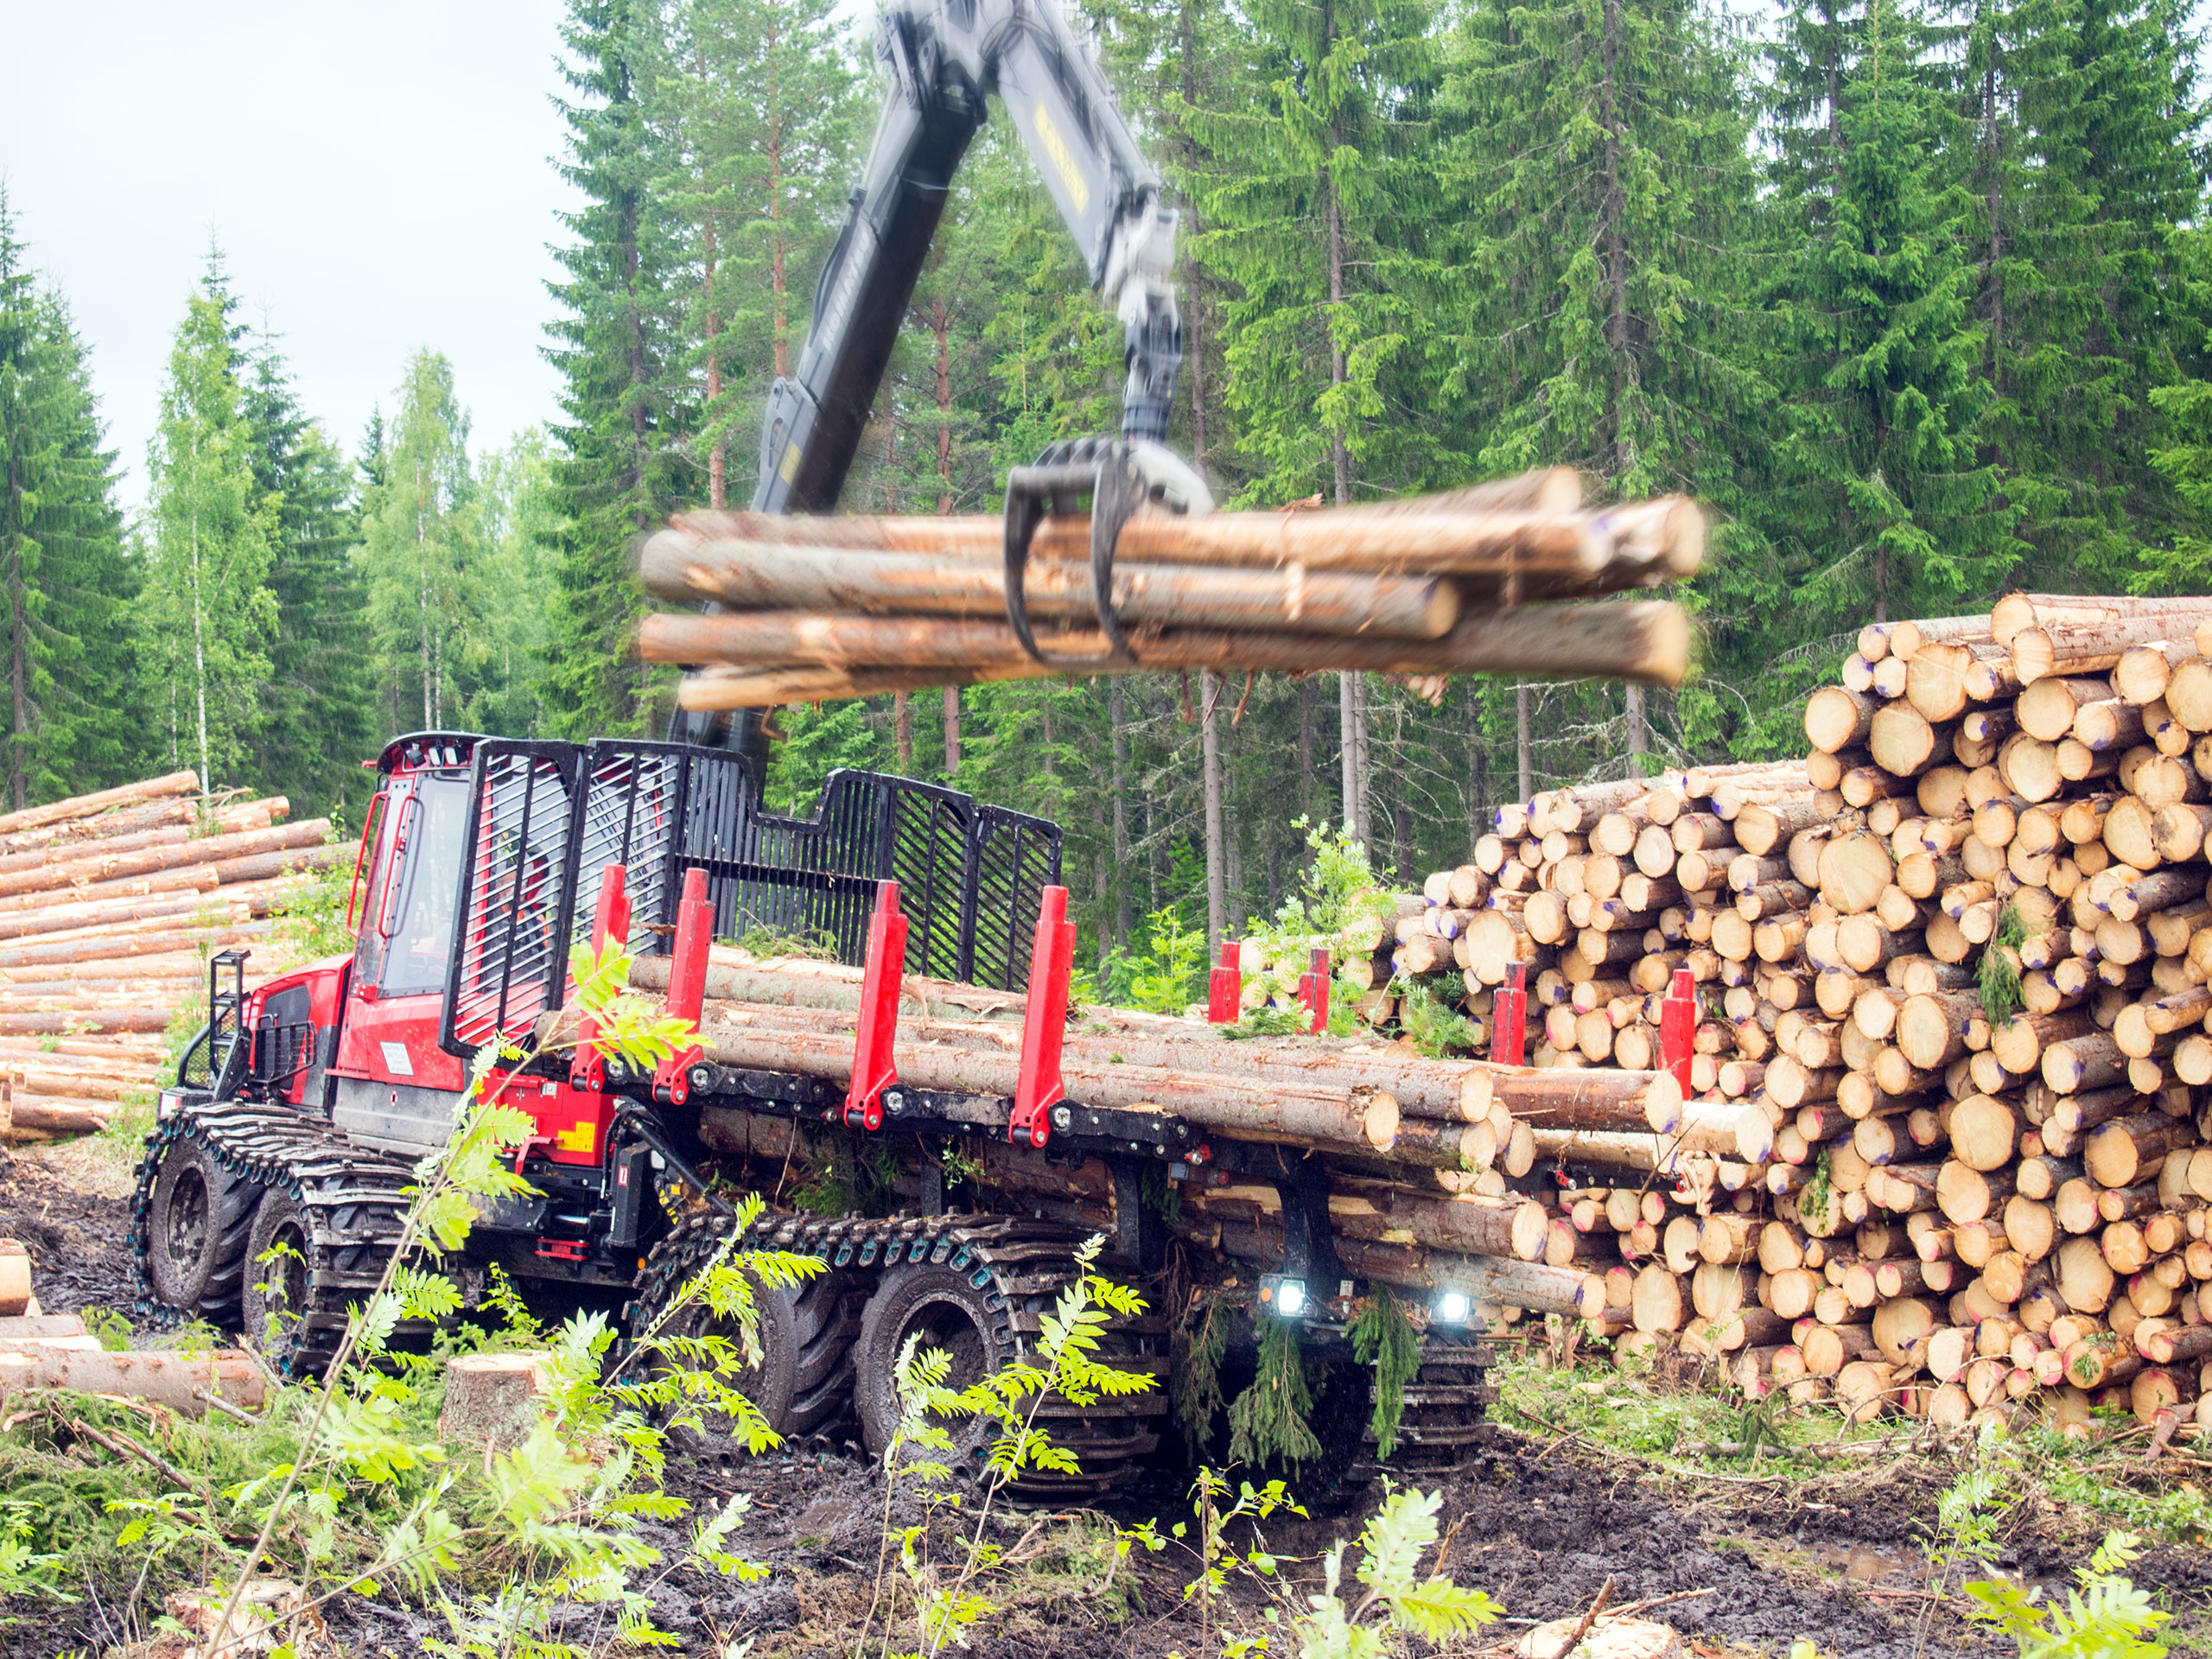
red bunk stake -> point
(1678, 1026)
(1226, 987)
(687, 985)
(1509, 1016)
(876, 1068)
(610, 920)
(1313, 990)
(1038, 1088)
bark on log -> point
(1227, 1105)
(1641, 640)
(154, 1375)
(678, 563)
(87, 806)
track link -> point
(1441, 1431)
(354, 1200)
(1017, 1267)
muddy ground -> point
(1754, 1563)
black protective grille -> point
(509, 962)
(545, 819)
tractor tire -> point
(980, 1326)
(275, 1297)
(196, 1225)
(804, 1379)
(941, 1306)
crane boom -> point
(945, 57)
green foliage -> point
(1996, 976)
(1217, 1559)
(617, 346)
(1345, 1624)
(1200, 1340)
(311, 919)
(1268, 1421)
(318, 709)
(206, 612)
(1267, 1020)
(2107, 1618)
(64, 581)
(854, 1178)
(1434, 1030)
(1169, 976)
(1384, 1337)
(1064, 1363)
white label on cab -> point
(396, 1060)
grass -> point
(1675, 1431)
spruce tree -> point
(319, 716)
(206, 614)
(1606, 205)
(1887, 502)
(1321, 216)
(70, 727)
(619, 473)
(2089, 152)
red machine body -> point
(357, 1036)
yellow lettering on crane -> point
(1048, 136)
(790, 469)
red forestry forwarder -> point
(274, 1181)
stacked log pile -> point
(1945, 1146)
(110, 906)
(809, 609)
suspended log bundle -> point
(810, 609)
(1946, 1146)
(110, 906)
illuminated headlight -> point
(1452, 1307)
(1285, 1298)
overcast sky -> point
(380, 174)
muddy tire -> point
(946, 1310)
(983, 1327)
(196, 1224)
(804, 1381)
(274, 1299)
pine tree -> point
(619, 473)
(319, 706)
(69, 727)
(418, 533)
(206, 614)
(754, 111)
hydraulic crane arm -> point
(945, 56)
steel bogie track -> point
(355, 1201)
(1018, 1267)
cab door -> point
(394, 1086)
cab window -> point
(419, 914)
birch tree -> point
(206, 614)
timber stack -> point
(1466, 582)
(1941, 1141)
(110, 906)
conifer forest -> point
(1913, 294)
